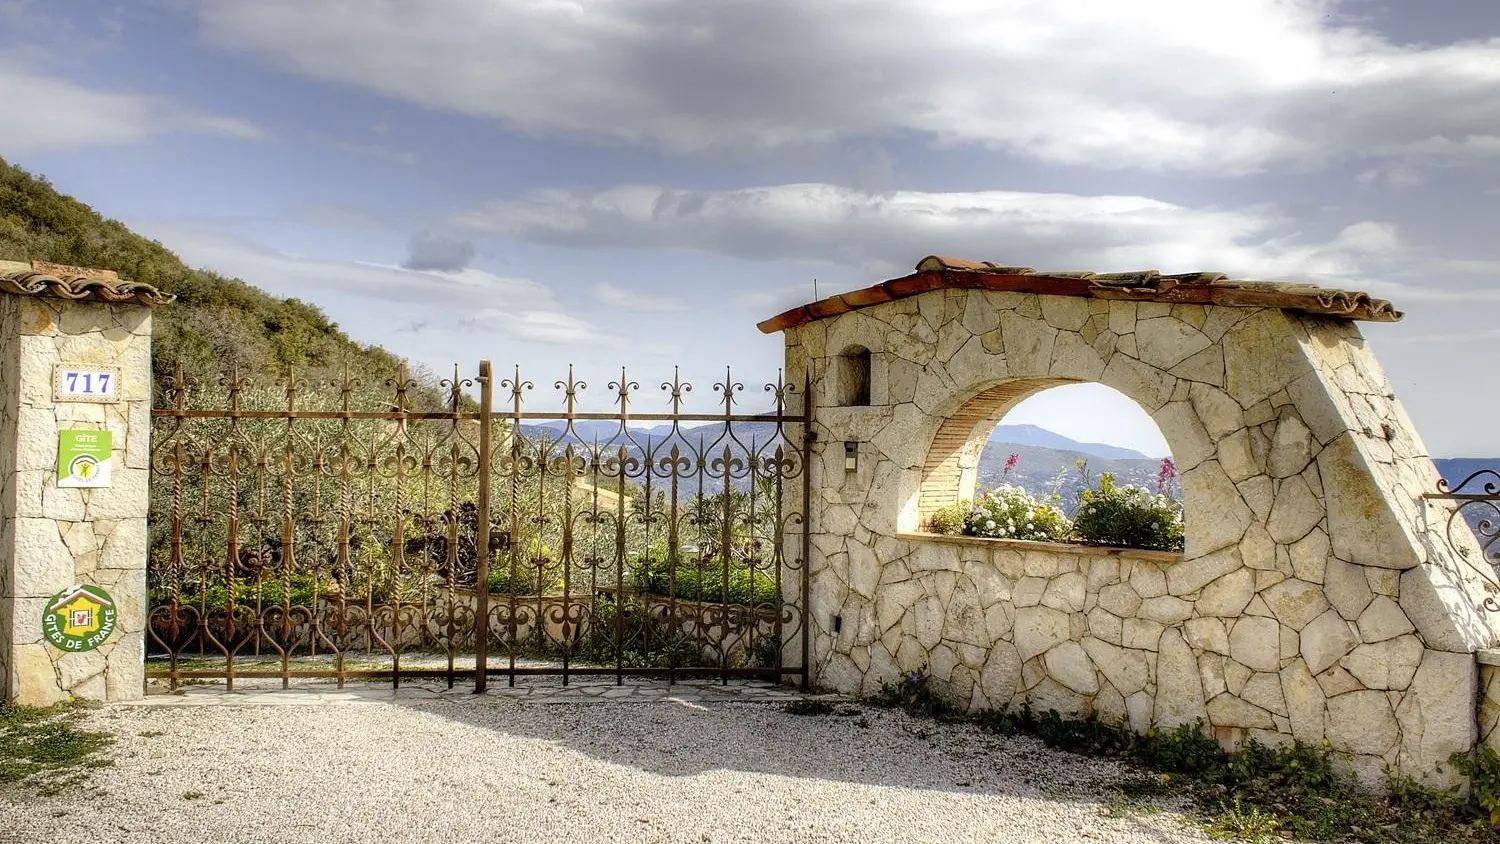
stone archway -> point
(1310, 601)
(952, 462)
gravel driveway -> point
(461, 768)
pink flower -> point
(1167, 474)
(1011, 463)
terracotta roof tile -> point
(55, 281)
(936, 272)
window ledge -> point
(1167, 557)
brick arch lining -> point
(953, 459)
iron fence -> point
(338, 529)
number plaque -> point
(71, 382)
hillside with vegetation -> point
(217, 322)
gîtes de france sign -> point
(79, 618)
(73, 382)
(83, 458)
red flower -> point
(1167, 474)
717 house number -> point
(85, 383)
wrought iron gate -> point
(406, 529)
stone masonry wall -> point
(51, 538)
(1311, 600)
(10, 331)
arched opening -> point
(851, 378)
(1052, 439)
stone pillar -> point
(53, 538)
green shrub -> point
(766, 652)
(1128, 517)
(248, 592)
(1264, 793)
(916, 693)
(950, 520)
(1009, 512)
(693, 580)
(626, 631)
(523, 580)
(1245, 823)
(1484, 768)
(810, 708)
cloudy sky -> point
(638, 182)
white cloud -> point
(1223, 87)
(541, 327)
(376, 293)
(887, 232)
(634, 300)
(1455, 338)
(1396, 177)
(1475, 267)
(883, 234)
(54, 113)
(394, 156)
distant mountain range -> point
(701, 435)
(1031, 435)
(588, 432)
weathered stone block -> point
(1362, 525)
(1127, 670)
(1296, 511)
(1227, 596)
(1256, 642)
(1001, 674)
(1383, 620)
(1069, 664)
(1296, 603)
(1437, 715)
(1226, 710)
(1347, 587)
(1179, 698)
(1189, 576)
(1362, 723)
(1039, 629)
(1325, 641)
(1387, 665)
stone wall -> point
(1311, 600)
(1489, 699)
(52, 538)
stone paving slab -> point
(549, 691)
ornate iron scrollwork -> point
(1473, 508)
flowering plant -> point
(1128, 517)
(1166, 474)
(1009, 512)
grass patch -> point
(809, 707)
(1257, 793)
(1141, 789)
(1244, 823)
(43, 749)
